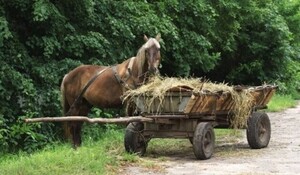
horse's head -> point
(152, 53)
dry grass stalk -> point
(159, 86)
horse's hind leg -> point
(75, 131)
(75, 127)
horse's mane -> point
(141, 58)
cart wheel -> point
(134, 141)
(204, 141)
(258, 130)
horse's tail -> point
(65, 109)
(64, 103)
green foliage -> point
(189, 47)
(4, 31)
(289, 83)
(290, 10)
(240, 42)
(259, 47)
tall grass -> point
(280, 102)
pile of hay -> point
(159, 86)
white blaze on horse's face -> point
(152, 52)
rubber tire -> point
(204, 141)
(258, 130)
(134, 142)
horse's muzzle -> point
(153, 70)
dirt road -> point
(282, 156)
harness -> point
(79, 97)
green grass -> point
(281, 102)
(105, 156)
(99, 157)
(168, 147)
(60, 160)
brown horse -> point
(102, 86)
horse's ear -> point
(145, 38)
(158, 36)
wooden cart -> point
(184, 114)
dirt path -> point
(282, 156)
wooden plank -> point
(224, 103)
(205, 104)
(90, 120)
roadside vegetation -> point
(280, 102)
(93, 157)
